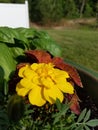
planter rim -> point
(84, 69)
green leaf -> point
(80, 127)
(47, 45)
(62, 112)
(26, 32)
(5, 87)
(87, 116)
(71, 127)
(7, 63)
(8, 35)
(86, 127)
(43, 41)
(28, 112)
(92, 123)
(58, 104)
(40, 39)
(1, 78)
(82, 115)
(3, 116)
(16, 51)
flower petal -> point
(24, 86)
(29, 73)
(60, 79)
(47, 82)
(66, 87)
(52, 94)
(26, 83)
(21, 90)
(34, 66)
(36, 96)
(21, 71)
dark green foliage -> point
(51, 10)
(88, 12)
(15, 108)
(48, 11)
(70, 9)
(12, 1)
(4, 121)
(97, 14)
(55, 117)
(17, 1)
(5, 1)
(7, 64)
(35, 14)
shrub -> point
(88, 12)
(46, 11)
(70, 9)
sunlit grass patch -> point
(80, 46)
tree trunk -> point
(82, 7)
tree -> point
(86, 7)
(35, 14)
(97, 14)
(83, 2)
(70, 9)
(88, 11)
(47, 10)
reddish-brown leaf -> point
(20, 65)
(59, 63)
(40, 55)
(74, 103)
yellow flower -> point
(42, 82)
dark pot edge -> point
(89, 79)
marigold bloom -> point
(42, 82)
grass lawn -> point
(80, 46)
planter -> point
(89, 93)
(90, 84)
(89, 79)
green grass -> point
(80, 46)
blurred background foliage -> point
(12, 1)
(49, 11)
